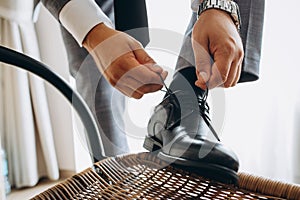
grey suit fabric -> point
(107, 104)
(252, 14)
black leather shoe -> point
(178, 129)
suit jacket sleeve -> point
(54, 6)
(252, 14)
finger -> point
(128, 91)
(202, 61)
(138, 86)
(148, 88)
(120, 66)
(202, 78)
(231, 75)
(143, 58)
(238, 74)
(164, 75)
(155, 68)
(239, 67)
(145, 75)
(128, 66)
(133, 87)
(130, 82)
(219, 73)
(137, 95)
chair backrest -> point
(22, 61)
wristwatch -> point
(228, 6)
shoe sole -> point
(152, 144)
(211, 171)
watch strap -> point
(228, 6)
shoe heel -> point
(151, 144)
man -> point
(211, 56)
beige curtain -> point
(25, 123)
(2, 185)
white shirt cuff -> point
(80, 16)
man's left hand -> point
(218, 50)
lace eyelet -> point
(203, 105)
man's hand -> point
(123, 61)
(218, 50)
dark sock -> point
(185, 80)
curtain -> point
(25, 123)
(2, 185)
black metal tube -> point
(22, 61)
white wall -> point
(262, 118)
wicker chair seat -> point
(144, 176)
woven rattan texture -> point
(144, 176)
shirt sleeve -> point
(80, 16)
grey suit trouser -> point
(107, 104)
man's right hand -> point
(123, 61)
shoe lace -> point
(203, 106)
(204, 111)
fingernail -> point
(157, 68)
(204, 76)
